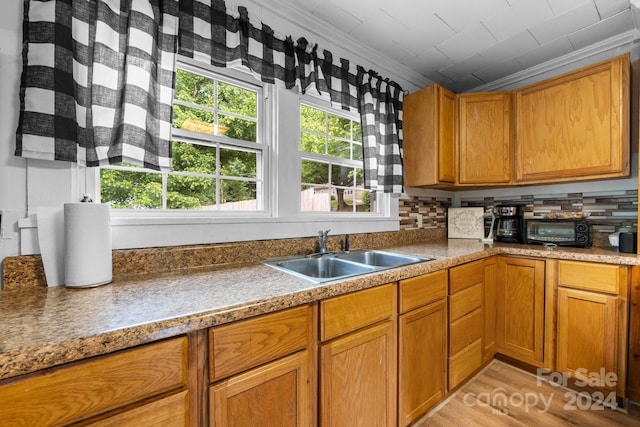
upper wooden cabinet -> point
(485, 143)
(575, 126)
(429, 137)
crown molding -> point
(616, 45)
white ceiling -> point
(464, 44)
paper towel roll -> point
(87, 254)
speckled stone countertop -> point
(42, 327)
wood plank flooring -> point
(502, 395)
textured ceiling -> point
(464, 44)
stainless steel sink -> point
(379, 258)
(332, 266)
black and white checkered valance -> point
(97, 82)
(209, 34)
(98, 76)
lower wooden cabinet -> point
(262, 370)
(276, 394)
(520, 308)
(489, 309)
(466, 286)
(146, 385)
(422, 345)
(358, 368)
(591, 342)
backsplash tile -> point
(423, 212)
(608, 211)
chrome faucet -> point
(322, 241)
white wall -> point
(13, 172)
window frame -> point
(281, 217)
(322, 104)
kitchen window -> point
(332, 178)
(218, 152)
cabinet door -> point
(276, 394)
(520, 309)
(485, 138)
(586, 335)
(358, 378)
(447, 125)
(422, 360)
(575, 126)
(429, 137)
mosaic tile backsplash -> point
(608, 210)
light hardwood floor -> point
(502, 395)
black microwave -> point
(560, 232)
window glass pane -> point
(342, 175)
(357, 131)
(312, 119)
(237, 195)
(194, 88)
(363, 201)
(131, 189)
(315, 199)
(234, 99)
(190, 192)
(357, 151)
(339, 126)
(339, 148)
(359, 173)
(193, 119)
(312, 143)
(238, 163)
(237, 128)
(315, 172)
(193, 158)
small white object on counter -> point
(87, 257)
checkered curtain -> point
(97, 82)
(207, 33)
(381, 119)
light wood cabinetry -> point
(591, 324)
(575, 126)
(485, 144)
(145, 385)
(429, 126)
(466, 285)
(422, 345)
(262, 370)
(572, 127)
(633, 375)
(489, 309)
(358, 358)
(520, 308)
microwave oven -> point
(560, 232)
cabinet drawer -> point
(465, 330)
(465, 363)
(466, 275)
(350, 312)
(422, 290)
(242, 345)
(169, 411)
(465, 301)
(594, 277)
(79, 391)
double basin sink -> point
(340, 265)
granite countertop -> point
(43, 327)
